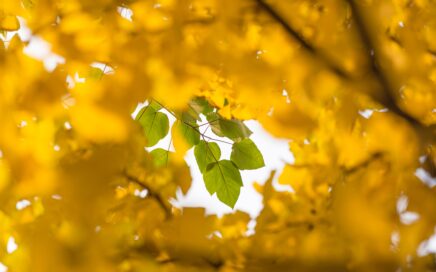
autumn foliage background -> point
(350, 83)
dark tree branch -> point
(364, 164)
(298, 37)
(390, 102)
(381, 77)
(151, 193)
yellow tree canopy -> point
(350, 83)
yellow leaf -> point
(98, 124)
(9, 23)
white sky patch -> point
(24, 32)
(285, 94)
(68, 101)
(281, 187)
(6, 37)
(422, 159)
(56, 197)
(138, 108)
(22, 124)
(251, 227)
(366, 113)
(67, 125)
(56, 148)
(216, 234)
(41, 50)
(395, 239)
(36, 47)
(78, 79)
(20, 205)
(259, 53)
(428, 246)
(127, 13)
(3, 268)
(406, 217)
(107, 70)
(70, 82)
(141, 193)
(11, 245)
(425, 177)
(402, 204)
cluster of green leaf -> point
(220, 176)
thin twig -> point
(214, 139)
(104, 71)
(168, 150)
(207, 123)
(190, 125)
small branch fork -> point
(195, 128)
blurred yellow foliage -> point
(350, 84)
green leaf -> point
(233, 129)
(223, 178)
(189, 133)
(191, 115)
(214, 119)
(189, 118)
(28, 4)
(154, 123)
(160, 157)
(95, 73)
(155, 105)
(246, 155)
(200, 105)
(206, 153)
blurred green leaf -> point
(160, 157)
